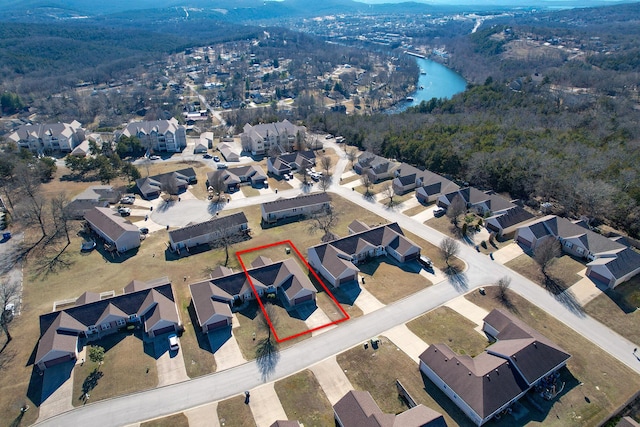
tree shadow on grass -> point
(47, 264)
(457, 278)
(563, 295)
(620, 300)
(267, 356)
(90, 383)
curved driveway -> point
(481, 271)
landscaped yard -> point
(390, 281)
(596, 384)
(119, 374)
(234, 412)
(444, 325)
(414, 210)
(176, 420)
(302, 399)
(369, 370)
(563, 271)
(397, 199)
(618, 309)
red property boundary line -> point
(264, 312)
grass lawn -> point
(302, 399)
(606, 383)
(390, 281)
(176, 420)
(278, 184)
(375, 189)
(618, 309)
(249, 191)
(369, 370)
(350, 179)
(234, 412)
(444, 325)
(414, 210)
(563, 270)
(498, 243)
(121, 373)
(397, 199)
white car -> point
(124, 211)
(155, 158)
(173, 342)
(11, 308)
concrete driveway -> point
(179, 214)
(406, 341)
(227, 354)
(57, 390)
(367, 302)
(469, 310)
(170, 363)
(332, 379)
(507, 253)
(265, 406)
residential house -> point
(158, 135)
(113, 228)
(148, 304)
(229, 152)
(486, 385)
(358, 409)
(336, 260)
(208, 231)
(59, 137)
(287, 163)
(378, 168)
(234, 177)
(95, 196)
(151, 186)
(200, 147)
(609, 261)
(214, 299)
(429, 186)
(295, 207)
(259, 139)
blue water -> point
(438, 82)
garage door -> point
(412, 256)
(493, 228)
(346, 280)
(216, 325)
(63, 359)
(303, 299)
(599, 277)
(164, 330)
(524, 241)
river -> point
(435, 81)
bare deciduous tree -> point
(449, 248)
(352, 154)
(325, 164)
(367, 182)
(545, 253)
(32, 205)
(325, 182)
(216, 184)
(61, 218)
(503, 286)
(267, 349)
(456, 208)
(325, 221)
(8, 291)
(389, 191)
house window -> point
(568, 244)
(105, 326)
(580, 250)
(120, 322)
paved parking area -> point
(424, 215)
(585, 289)
(407, 341)
(332, 379)
(507, 253)
(367, 302)
(170, 364)
(265, 406)
(228, 354)
(57, 390)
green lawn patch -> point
(618, 309)
(302, 399)
(126, 369)
(234, 412)
(607, 384)
(444, 325)
(176, 420)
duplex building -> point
(60, 137)
(376, 167)
(336, 261)
(95, 196)
(208, 231)
(259, 139)
(113, 228)
(215, 298)
(176, 181)
(609, 261)
(234, 177)
(150, 305)
(229, 152)
(486, 385)
(358, 409)
(287, 163)
(295, 207)
(158, 135)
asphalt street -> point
(480, 271)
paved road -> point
(481, 271)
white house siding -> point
(527, 235)
(475, 418)
(128, 240)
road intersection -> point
(480, 271)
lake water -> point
(435, 81)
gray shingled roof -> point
(217, 224)
(296, 202)
(112, 224)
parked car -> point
(216, 158)
(88, 246)
(439, 211)
(144, 230)
(124, 211)
(222, 165)
(155, 158)
(127, 200)
(173, 342)
(207, 156)
(286, 177)
(425, 261)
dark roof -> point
(513, 216)
(216, 224)
(78, 207)
(109, 222)
(151, 184)
(296, 202)
(624, 262)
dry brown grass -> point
(444, 325)
(176, 420)
(563, 271)
(390, 281)
(234, 412)
(618, 309)
(302, 399)
(414, 210)
(596, 383)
